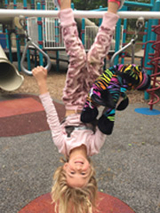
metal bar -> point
(29, 43)
(137, 4)
(78, 13)
(121, 50)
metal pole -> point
(78, 13)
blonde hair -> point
(76, 200)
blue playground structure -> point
(45, 33)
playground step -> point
(107, 203)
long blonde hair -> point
(76, 200)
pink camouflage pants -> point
(84, 68)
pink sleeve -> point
(53, 122)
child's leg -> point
(107, 82)
(96, 55)
(100, 48)
(75, 91)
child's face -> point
(78, 171)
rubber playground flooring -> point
(127, 168)
(24, 114)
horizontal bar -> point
(138, 4)
(130, 4)
(78, 13)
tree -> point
(92, 4)
(1, 4)
(89, 4)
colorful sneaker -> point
(119, 2)
(57, 3)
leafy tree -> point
(92, 4)
(1, 4)
(89, 4)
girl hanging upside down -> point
(77, 137)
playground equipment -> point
(47, 40)
(154, 66)
(139, 25)
(49, 34)
(31, 44)
(78, 14)
(155, 63)
(10, 79)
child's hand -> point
(40, 74)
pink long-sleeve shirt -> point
(92, 140)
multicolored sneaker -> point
(57, 3)
(119, 2)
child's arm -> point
(40, 74)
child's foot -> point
(119, 2)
